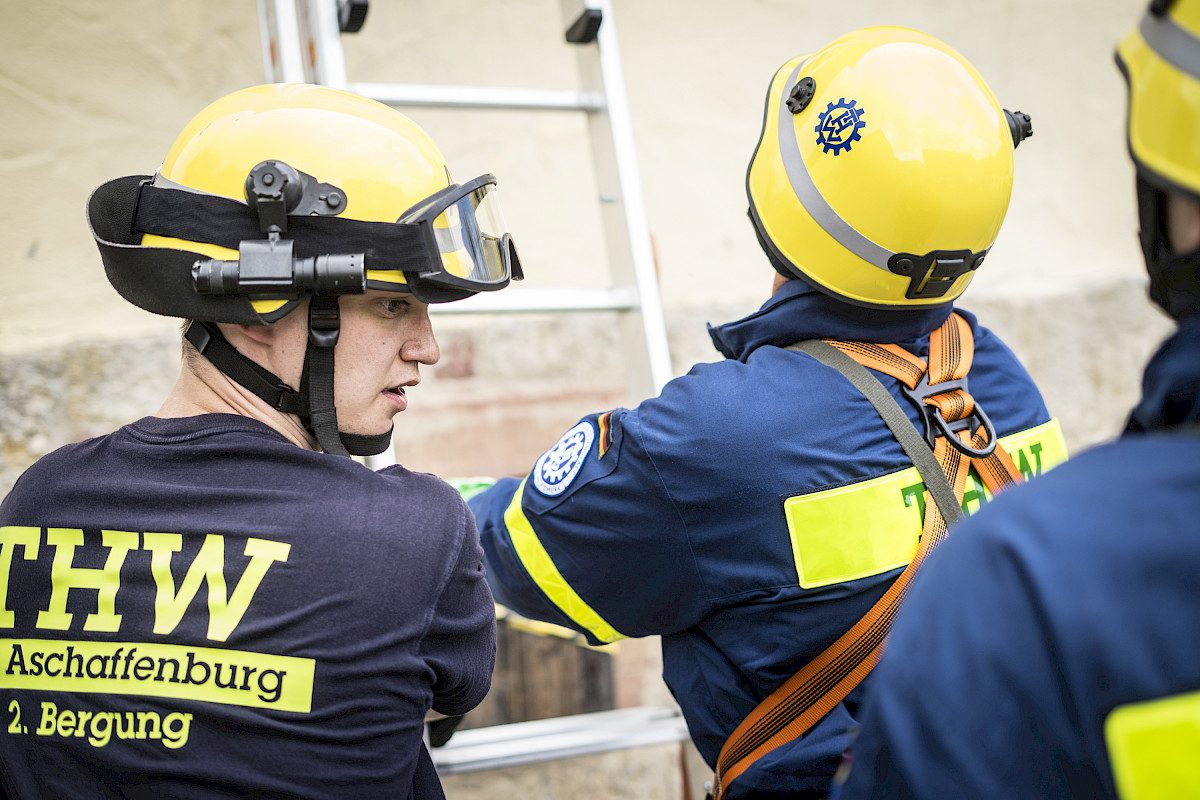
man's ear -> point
(263, 334)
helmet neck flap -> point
(1174, 278)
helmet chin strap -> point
(316, 384)
(314, 402)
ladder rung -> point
(562, 737)
(543, 300)
(405, 94)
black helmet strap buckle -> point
(313, 404)
(932, 274)
(210, 343)
(324, 324)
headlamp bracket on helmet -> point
(267, 269)
(932, 274)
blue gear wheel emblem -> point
(839, 125)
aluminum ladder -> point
(301, 42)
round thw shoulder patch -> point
(559, 465)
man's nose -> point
(422, 346)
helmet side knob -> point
(1020, 125)
(273, 190)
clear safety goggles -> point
(450, 246)
(467, 242)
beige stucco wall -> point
(91, 91)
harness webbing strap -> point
(814, 691)
(911, 441)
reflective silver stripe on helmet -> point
(810, 197)
(1173, 44)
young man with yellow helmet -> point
(760, 507)
(1048, 650)
(203, 603)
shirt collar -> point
(798, 311)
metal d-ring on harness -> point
(952, 444)
(935, 420)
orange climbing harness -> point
(958, 444)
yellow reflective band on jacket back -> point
(541, 568)
(1153, 747)
(872, 527)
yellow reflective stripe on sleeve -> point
(871, 527)
(1153, 747)
(541, 568)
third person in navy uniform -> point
(1050, 649)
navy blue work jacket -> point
(669, 519)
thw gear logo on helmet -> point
(559, 465)
(839, 125)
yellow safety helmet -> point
(884, 169)
(283, 193)
(358, 195)
(1160, 60)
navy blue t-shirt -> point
(672, 518)
(197, 608)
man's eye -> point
(393, 306)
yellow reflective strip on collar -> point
(1153, 746)
(541, 568)
(871, 527)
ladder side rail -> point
(268, 39)
(283, 57)
(520, 743)
(631, 254)
(325, 55)
(543, 300)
